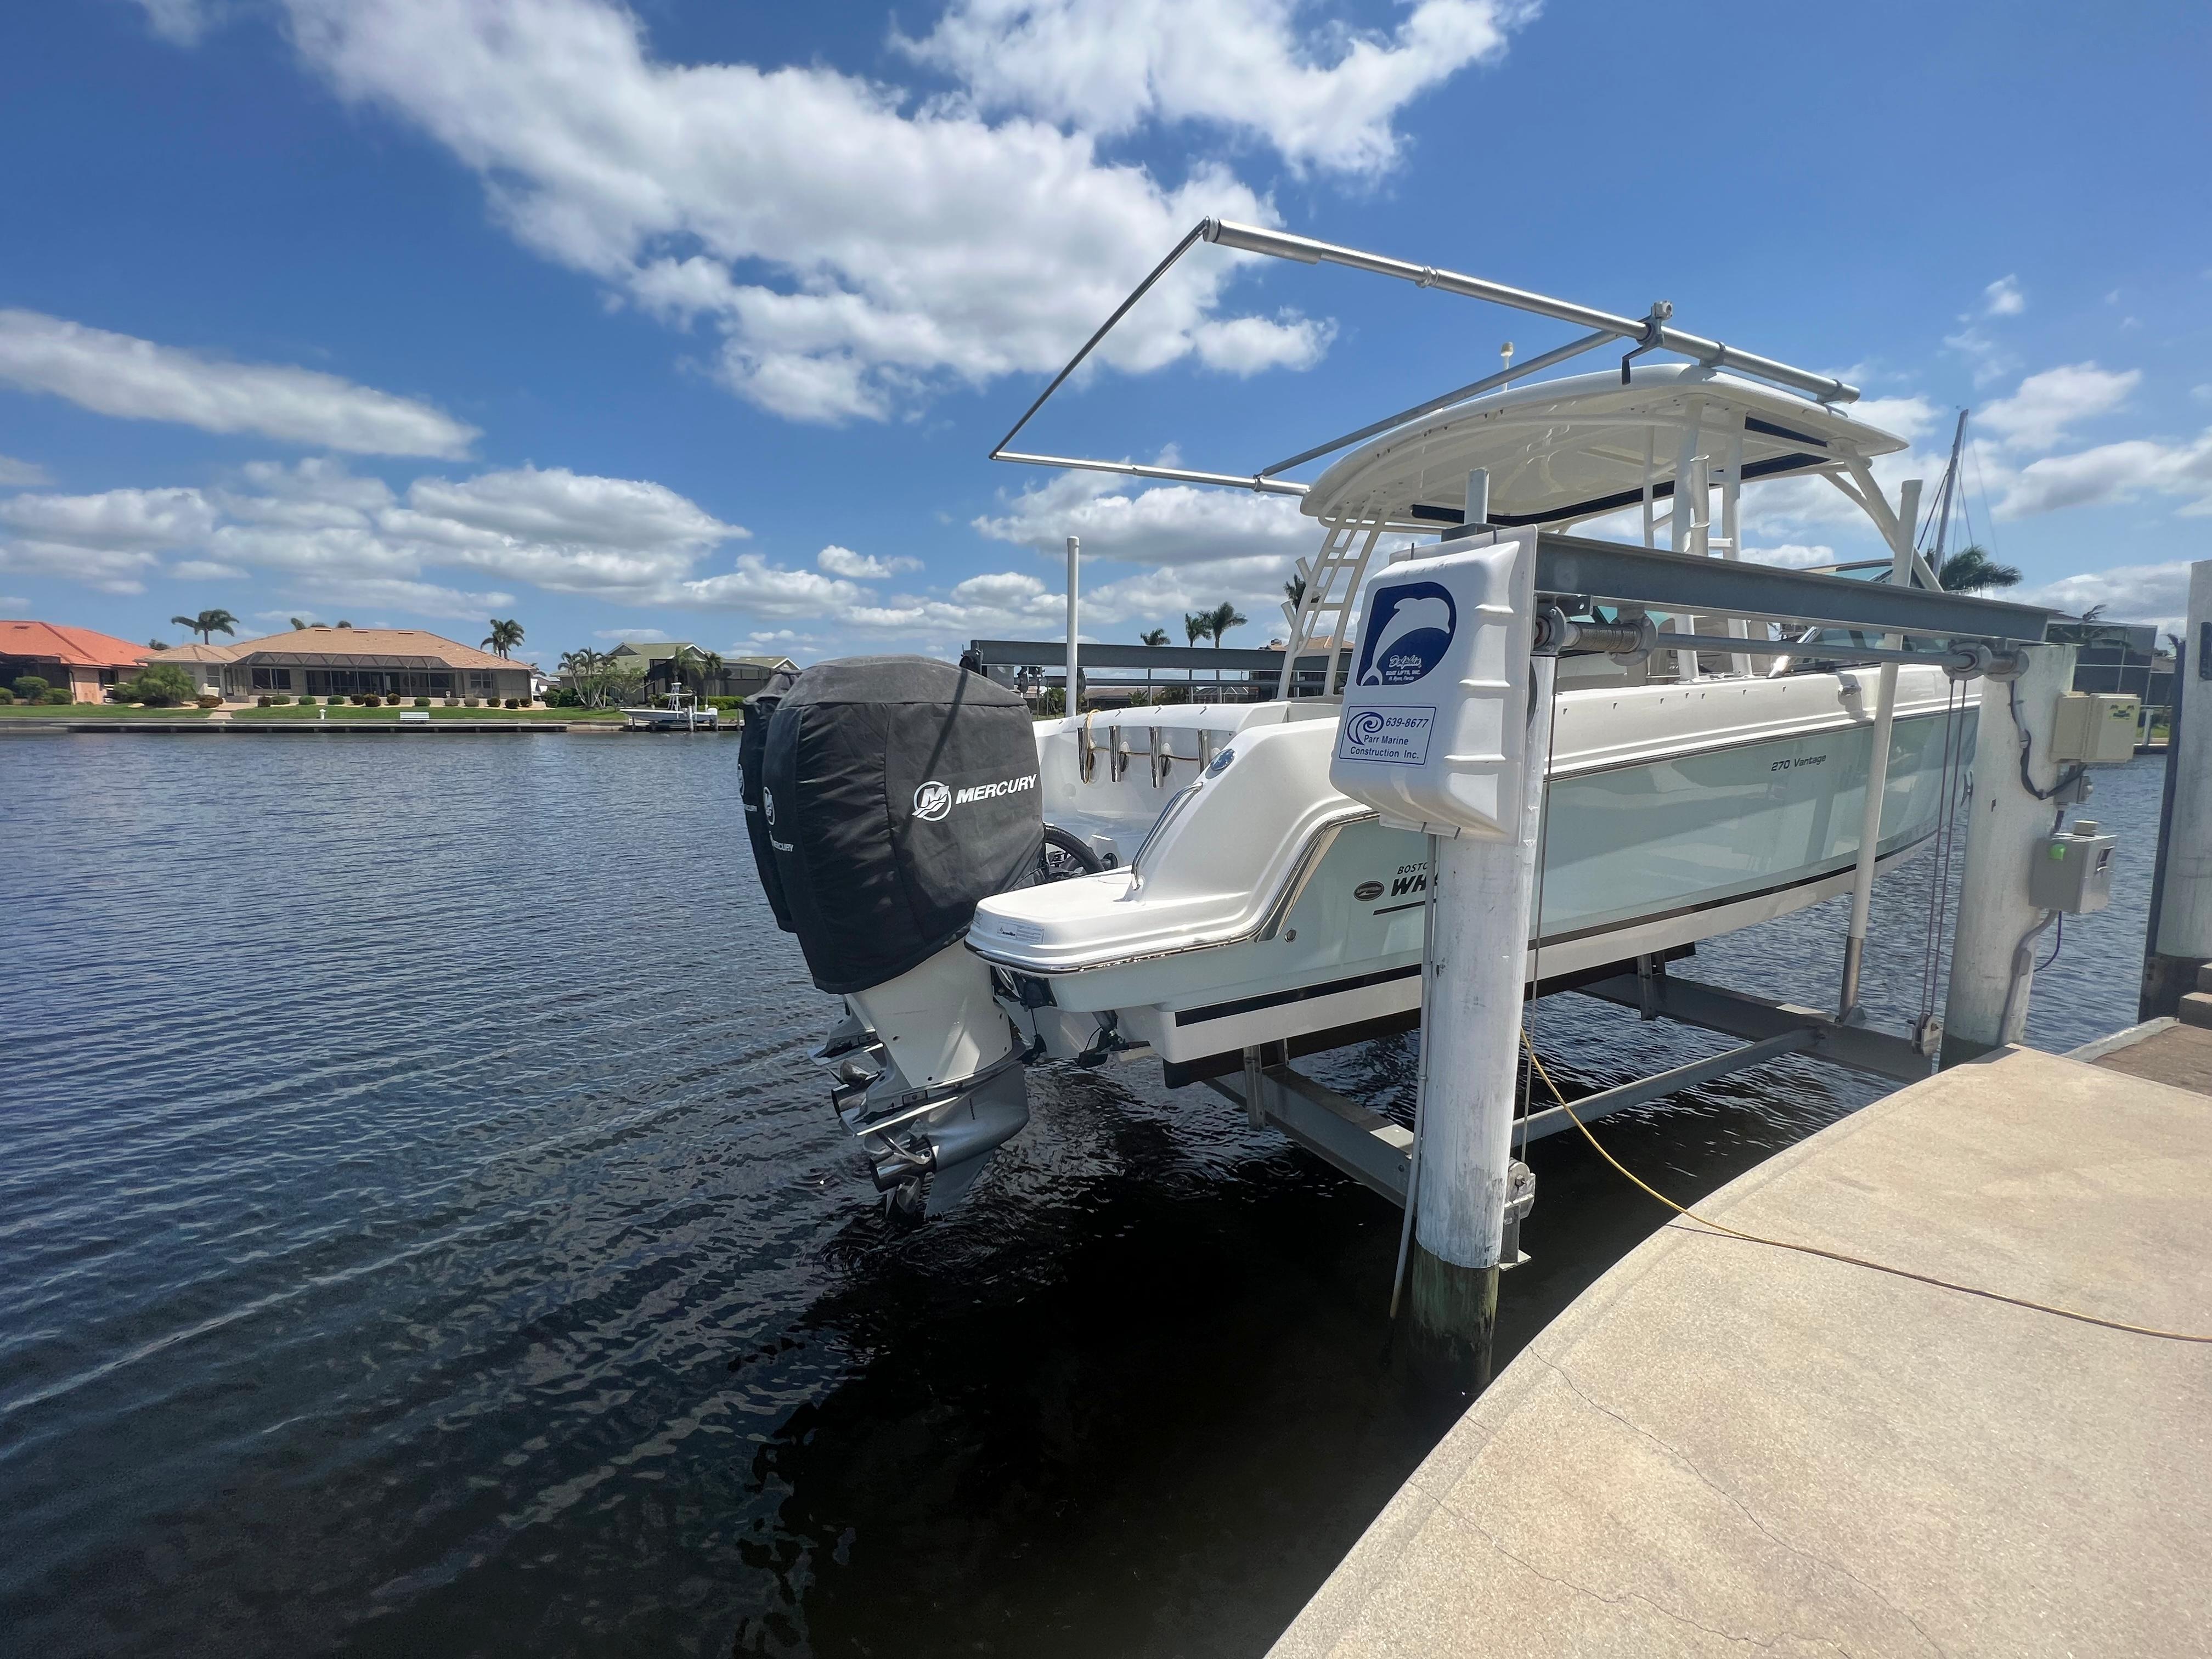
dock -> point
(1724, 1447)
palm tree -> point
(1196, 626)
(707, 666)
(1223, 617)
(503, 638)
(1295, 591)
(1971, 569)
(1150, 637)
(2096, 611)
(157, 645)
(342, 622)
(209, 623)
(298, 622)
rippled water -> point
(421, 1232)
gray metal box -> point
(2073, 872)
(2095, 726)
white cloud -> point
(1323, 97)
(766, 589)
(181, 22)
(1170, 524)
(338, 536)
(1909, 418)
(121, 375)
(23, 474)
(853, 253)
(204, 570)
(2111, 472)
(2038, 415)
(2002, 298)
(2154, 593)
(862, 566)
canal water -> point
(422, 1233)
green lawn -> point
(96, 711)
(293, 711)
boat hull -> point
(1644, 853)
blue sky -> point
(697, 320)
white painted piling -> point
(2185, 918)
(2004, 823)
(1478, 964)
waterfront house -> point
(740, 677)
(83, 661)
(337, 662)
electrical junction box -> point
(2073, 872)
(1436, 711)
(2094, 725)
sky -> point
(698, 320)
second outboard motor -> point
(895, 792)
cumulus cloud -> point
(851, 251)
(1324, 98)
(2113, 472)
(862, 567)
(1171, 524)
(2037, 416)
(2002, 298)
(350, 538)
(2154, 593)
(121, 375)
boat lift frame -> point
(1573, 574)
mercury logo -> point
(932, 801)
(993, 791)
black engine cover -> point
(897, 792)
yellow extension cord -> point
(1838, 1256)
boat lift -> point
(1469, 1196)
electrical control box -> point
(2095, 727)
(2073, 870)
(1434, 732)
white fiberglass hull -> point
(1268, 908)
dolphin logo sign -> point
(1409, 628)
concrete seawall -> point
(1722, 1446)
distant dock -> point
(1724, 1447)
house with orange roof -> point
(324, 661)
(84, 660)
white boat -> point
(1206, 892)
(682, 712)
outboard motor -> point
(894, 793)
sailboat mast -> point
(1943, 507)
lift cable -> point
(1848, 1260)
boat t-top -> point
(1183, 885)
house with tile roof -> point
(83, 660)
(324, 661)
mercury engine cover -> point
(896, 793)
